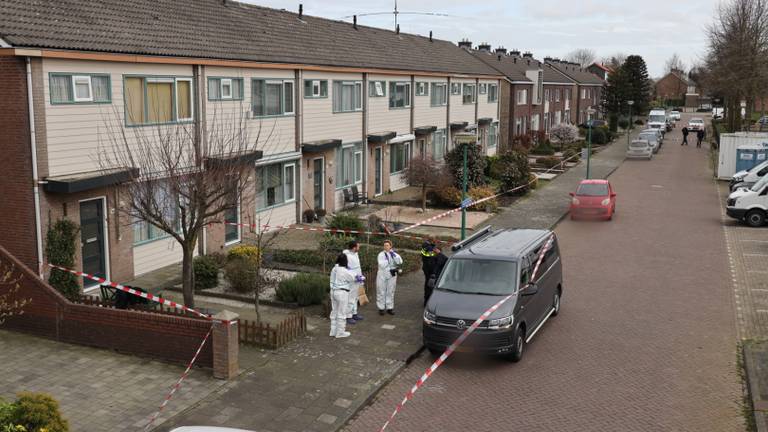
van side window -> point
(524, 276)
(762, 172)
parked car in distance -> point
(652, 137)
(674, 115)
(749, 205)
(763, 120)
(717, 112)
(593, 199)
(640, 149)
(695, 124)
(747, 178)
(658, 133)
(484, 269)
(594, 123)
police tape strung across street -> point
(450, 350)
(178, 383)
(141, 294)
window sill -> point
(315, 97)
(272, 207)
(339, 188)
(231, 242)
(253, 117)
(146, 242)
(160, 124)
(348, 112)
(438, 106)
(399, 108)
(82, 103)
(226, 100)
(468, 103)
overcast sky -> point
(654, 29)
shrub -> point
(564, 134)
(61, 241)
(623, 123)
(219, 258)
(334, 243)
(345, 221)
(598, 136)
(302, 257)
(206, 272)
(513, 169)
(244, 252)
(489, 162)
(308, 215)
(304, 288)
(241, 274)
(374, 223)
(475, 165)
(525, 141)
(320, 212)
(38, 411)
(639, 122)
(571, 154)
(548, 161)
(613, 122)
(544, 148)
(480, 192)
(449, 196)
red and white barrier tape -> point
(141, 294)
(444, 356)
(178, 383)
(268, 227)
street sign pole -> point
(464, 194)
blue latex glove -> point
(359, 278)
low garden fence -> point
(273, 336)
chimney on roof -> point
(484, 47)
(529, 61)
(397, 29)
(465, 43)
(515, 52)
(301, 11)
(499, 57)
(548, 59)
(514, 59)
(354, 21)
(528, 55)
(430, 35)
(501, 50)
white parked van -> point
(749, 205)
(657, 119)
(747, 178)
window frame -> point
(493, 93)
(442, 134)
(465, 86)
(273, 81)
(455, 89)
(319, 94)
(407, 147)
(524, 94)
(393, 85)
(232, 80)
(353, 148)
(355, 85)
(174, 99)
(292, 166)
(191, 117)
(283, 166)
(422, 88)
(71, 76)
(434, 87)
(482, 88)
(222, 83)
(87, 79)
(374, 86)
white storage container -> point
(729, 143)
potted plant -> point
(320, 214)
(309, 215)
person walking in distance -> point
(699, 137)
(685, 136)
(386, 279)
(427, 265)
(354, 266)
(343, 281)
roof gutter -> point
(35, 179)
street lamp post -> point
(590, 112)
(629, 128)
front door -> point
(93, 243)
(317, 182)
(232, 219)
(378, 168)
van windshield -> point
(479, 276)
(759, 185)
(657, 118)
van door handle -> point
(91, 240)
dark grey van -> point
(484, 269)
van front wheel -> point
(519, 345)
(755, 218)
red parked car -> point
(593, 199)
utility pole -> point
(464, 194)
(630, 127)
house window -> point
(422, 89)
(439, 144)
(557, 95)
(275, 185)
(399, 94)
(468, 95)
(567, 116)
(80, 88)
(377, 88)
(347, 96)
(567, 95)
(157, 100)
(492, 137)
(522, 97)
(482, 88)
(535, 122)
(272, 97)
(315, 89)
(399, 157)
(232, 219)
(167, 204)
(439, 94)
(493, 93)
(547, 95)
(225, 89)
(455, 89)
(583, 93)
(349, 165)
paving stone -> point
(327, 419)
(343, 403)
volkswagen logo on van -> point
(460, 324)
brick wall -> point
(505, 114)
(17, 223)
(671, 87)
(50, 315)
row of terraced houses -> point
(346, 106)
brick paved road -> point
(646, 338)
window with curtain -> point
(439, 144)
(455, 89)
(157, 100)
(493, 93)
(347, 96)
(289, 176)
(468, 94)
(377, 88)
(225, 89)
(492, 134)
(79, 88)
(483, 88)
(422, 89)
(439, 94)
(315, 89)
(399, 94)
(165, 200)
(349, 165)
(275, 184)
(399, 157)
(271, 97)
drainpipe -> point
(35, 179)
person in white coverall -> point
(386, 278)
(342, 282)
(354, 266)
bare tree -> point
(564, 134)
(674, 63)
(582, 56)
(10, 305)
(614, 61)
(188, 175)
(423, 172)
